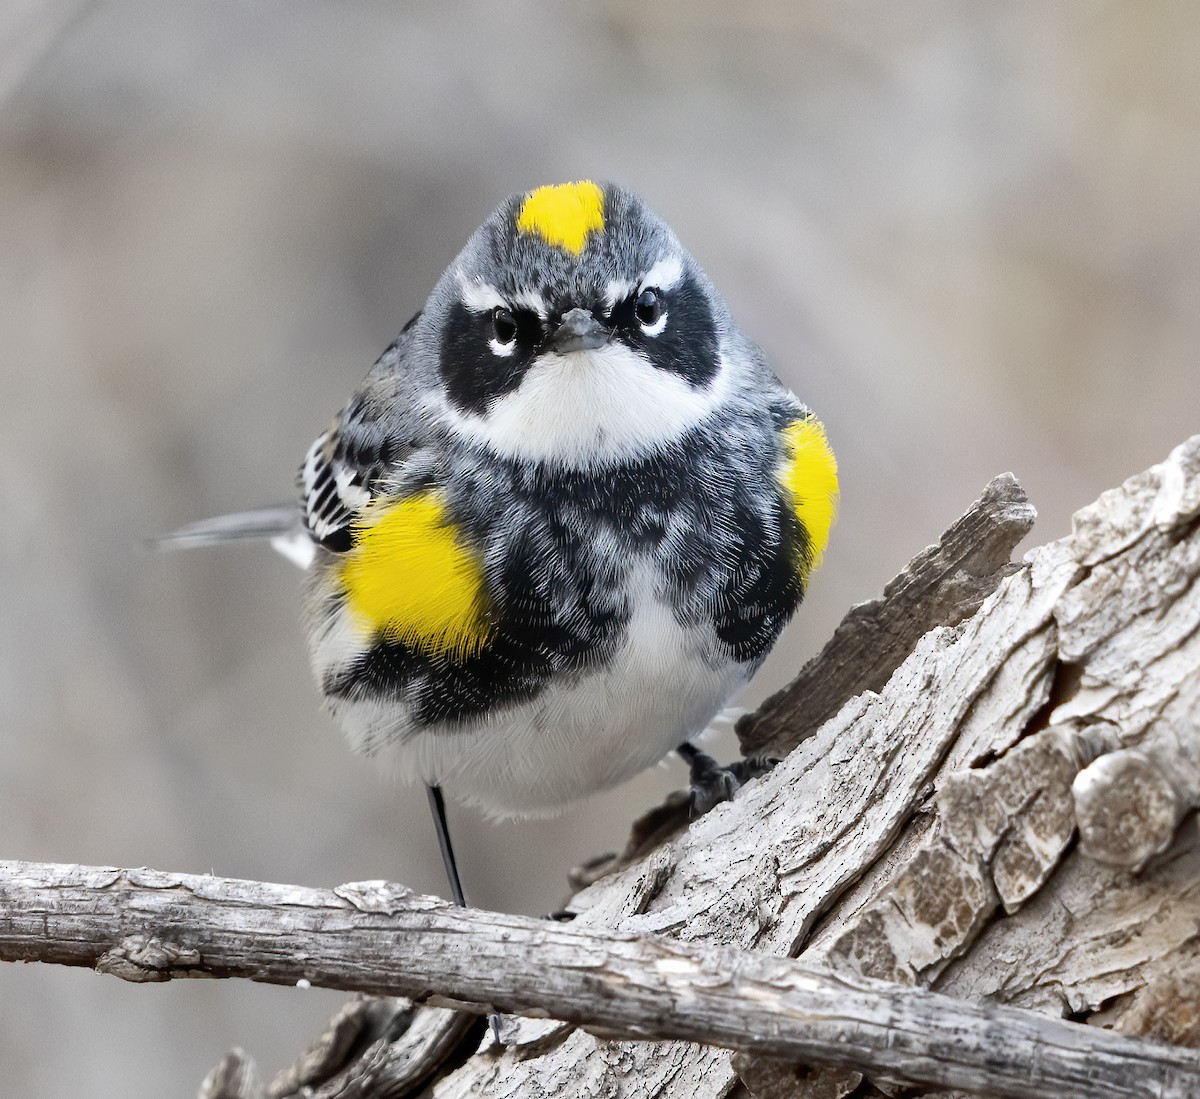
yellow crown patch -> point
(563, 214)
(809, 473)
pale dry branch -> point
(141, 925)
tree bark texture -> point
(987, 792)
(145, 926)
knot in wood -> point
(143, 959)
(386, 897)
(1126, 808)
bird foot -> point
(713, 783)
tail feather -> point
(280, 525)
(265, 523)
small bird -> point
(562, 521)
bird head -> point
(574, 328)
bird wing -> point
(357, 459)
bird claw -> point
(753, 767)
(713, 784)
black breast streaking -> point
(561, 550)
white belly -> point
(579, 735)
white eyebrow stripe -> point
(617, 291)
(533, 301)
(664, 275)
(482, 297)
(479, 296)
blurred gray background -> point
(967, 234)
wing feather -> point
(358, 457)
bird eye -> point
(648, 308)
(504, 325)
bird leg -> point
(437, 804)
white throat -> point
(589, 408)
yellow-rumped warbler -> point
(562, 521)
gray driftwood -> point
(146, 926)
(999, 811)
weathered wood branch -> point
(141, 925)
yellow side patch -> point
(409, 579)
(809, 473)
(564, 214)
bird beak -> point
(578, 331)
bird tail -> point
(280, 525)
